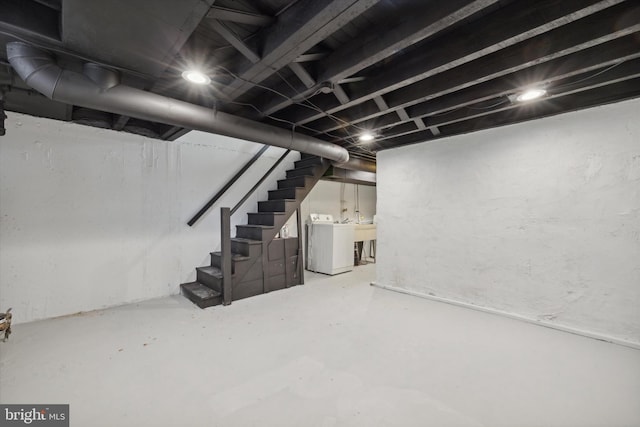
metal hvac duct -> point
(99, 88)
(356, 164)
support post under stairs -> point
(225, 230)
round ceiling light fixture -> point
(366, 137)
(196, 77)
(531, 94)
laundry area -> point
(340, 227)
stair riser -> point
(274, 206)
(210, 281)
(308, 171)
(249, 233)
(216, 261)
(264, 218)
(287, 193)
(307, 162)
(245, 248)
(299, 181)
(202, 303)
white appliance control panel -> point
(321, 218)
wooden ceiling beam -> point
(601, 86)
(235, 41)
(302, 74)
(370, 48)
(588, 60)
(505, 28)
(301, 27)
(239, 16)
(559, 43)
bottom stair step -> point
(201, 295)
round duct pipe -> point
(357, 164)
(100, 89)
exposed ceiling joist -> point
(173, 133)
(548, 73)
(626, 87)
(235, 41)
(381, 103)
(308, 57)
(509, 26)
(420, 123)
(302, 74)
(340, 94)
(624, 72)
(371, 48)
(239, 16)
(407, 71)
(560, 42)
(120, 122)
(402, 114)
(447, 108)
(300, 28)
(545, 72)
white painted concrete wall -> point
(539, 219)
(91, 218)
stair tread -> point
(266, 213)
(211, 270)
(308, 161)
(199, 290)
(297, 181)
(309, 170)
(248, 241)
(290, 192)
(286, 189)
(235, 257)
(265, 227)
(295, 177)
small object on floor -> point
(5, 324)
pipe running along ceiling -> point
(99, 88)
(401, 72)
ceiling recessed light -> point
(366, 137)
(196, 77)
(530, 95)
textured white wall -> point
(91, 218)
(539, 219)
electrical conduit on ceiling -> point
(99, 88)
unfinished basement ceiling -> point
(407, 71)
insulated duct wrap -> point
(99, 89)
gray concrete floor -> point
(335, 352)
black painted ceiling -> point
(406, 70)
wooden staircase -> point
(260, 262)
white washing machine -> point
(329, 245)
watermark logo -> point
(34, 415)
